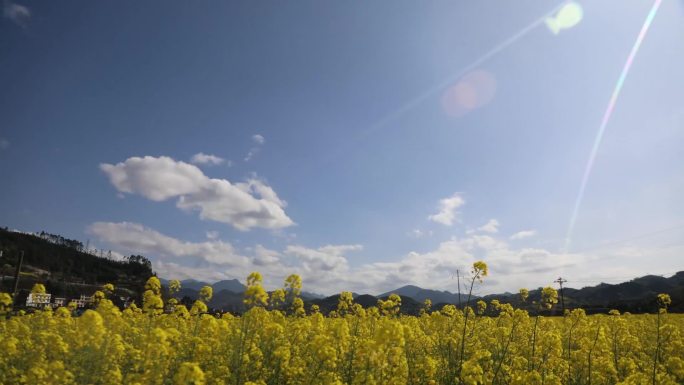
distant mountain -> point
(191, 288)
(69, 269)
(230, 284)
(419, 294)
(636, 296)
(328, 304)
(310, 295)
(187, 292)
(365, 300)
(227, 300)
(193, 284)
(408, 290)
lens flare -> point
(606, 118)
(459, 74)
(473, 91)
(438, 87)
(567, 17)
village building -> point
(38, 300)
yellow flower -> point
(174, 286)
(345, 302)
(198, 308)
(181, 311)
(449, 310)
(5, 303)
(255, 295)
(189, 373)
(154, 285)
(480, 268)
(108, 288)
(38, 288)
(481, 307)
(351, 346)
(298, 307)
(206, 293)
(293, 285)
(152, 303)
(391, 306)
(472, 373)
(63, 312)
(98, 296)
(664, 300)
(549, 297)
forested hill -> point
(64, 264)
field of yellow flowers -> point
(279, 342)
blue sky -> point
(362, 145)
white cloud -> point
(326, 258)
(490, 227)
(19, 14)
(157, 179)
(418, 233)
(136, 238)
(242, 205)
(258, 139)
(264, 256)
(202, 158)
(252, 152)
(327, 269)
(255, 186)
(447, 210)
(117, 256)
(212, 234)
(214, 260)
(172, 270)
(4, 143)
(524, 234)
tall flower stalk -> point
(478, 271)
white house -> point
(38, 300)
(84, 301)
(58, 301)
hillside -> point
(420, 294)
(65, 267)
(635, 296)
(328, 304)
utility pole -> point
(20, 260)
(560, 281)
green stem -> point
(465, 327)
(657, 350)
(598, 330)
(503, 354)
(530, 364)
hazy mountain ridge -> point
(66, 268)
(419, 294)
(233, 285)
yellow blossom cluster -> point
(280, 343)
